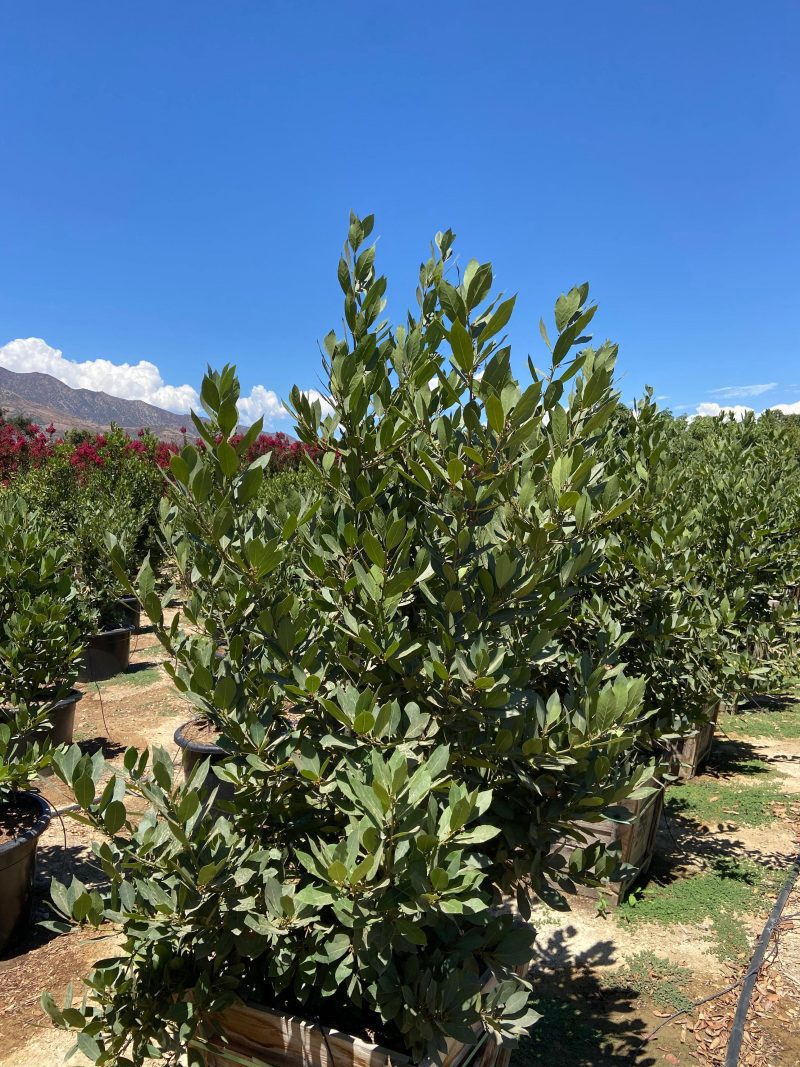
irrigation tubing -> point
(740, 1016)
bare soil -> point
(200, 732)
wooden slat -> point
(692, 752)
(285, 1040)
(636, 842)
(269, 1039)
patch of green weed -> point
(724, 893)
(544, 915)
(143, 676)
(778, 722)
(715, 801)
(654, 977)
(149, 650)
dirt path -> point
(139, 708)
(610, 978)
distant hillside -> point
(45, 399)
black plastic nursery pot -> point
(191, 740)
(18, 862)
(62, 718)
(107, 653)
(131, 613)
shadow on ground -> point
(767, 702)
(60, 861)
(137, 668)
(684, 841)
(735, 758)
(63, 861)
(681, 838)
(109, 748)
(586, 1020)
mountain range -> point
(47, 400)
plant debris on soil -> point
(772, 1018)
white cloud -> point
(787, 409)
(731, 391)
(712, 409)
(135, 381)
(261, 402)
(324, 402)
(132, 381)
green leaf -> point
(114, 816)
(88, 1046)
(461, 344)
(373, 549)
(455, 469)
(566, 306)
(494, 413)
(543, 332)
(440, 879)
(209, 395)
(363, 722)
(337, 872)
(83, 787)
(410, 931)
(558, 424)
(179, 469)
(60, 899)
(228, 416)
(452, 302)
(498, 320)
(228, 460)
(478, 835)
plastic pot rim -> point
(204, 747)
(38, 828)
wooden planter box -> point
(260, 1037)
(690, 753)
(636, 841)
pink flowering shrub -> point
(26, 446)
(21, 448)
(287, 454)
(87, 455)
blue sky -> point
(176, 181)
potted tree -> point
(108, 642)
(213, 921)
(24, 816)
(748, 541)
(431, 758)
(91, 485)
(671, 630)
(40, 622)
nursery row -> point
(432, 670)
(26, 447)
